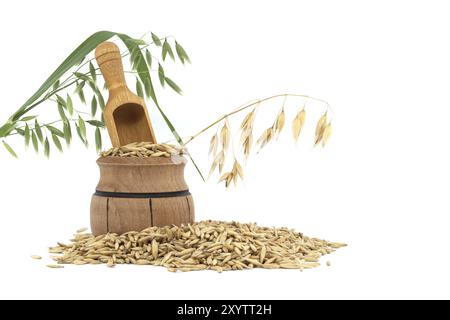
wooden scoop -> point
(125, 114)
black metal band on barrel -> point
(142, 195)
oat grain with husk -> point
(205, 245)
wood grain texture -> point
(134, 175)
(145, 175)
(128, 214)
(190, 202)
(168, 211)
(99, 215)
(125, 114)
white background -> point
(381, 185)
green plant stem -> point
(251, 104)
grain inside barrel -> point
(136, 193)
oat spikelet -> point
(247, 123)
(265, 138)
(213, 145)
(235, 173)
(228, 177)
(221, 160)
(297, 123)
(247, 145)
(247, 132)
(320, 128)
(279, 122)
(213, 167)
(238, 169)
(326, 134)
(225, 136)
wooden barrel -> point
(136, 193)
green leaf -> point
(7, 128)
(156, 40)
(138, 42)
(54, 131)
(80, 135)
(56, 85)
(61, 101)
(133, 50)
(196, 167)
(38, 130)
(79, 86)
(72, 60)
(82, 97)
(67, 132)
(92, 72)
(57, 142)
(34, 139)
(10, 150)
(134, 57)
(148, 57)
(20, 131)
(24, 119)
(82, 127)
(81, 61)
(167, 50)
(141, 67)
(96, 123)
(69, 104)
(93, 86)
(100, 99)
(181, 53)
(149, 90)
(139, 90)
(93, 106)
(98, 140)
(46, 148)
(173, 85)
(83, 77)
(62, 114)
(79, 91)
(27, 135)
(161, 75)
(178, 138)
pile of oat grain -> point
(144, 150)
(214, 245)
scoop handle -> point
(109, 60)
